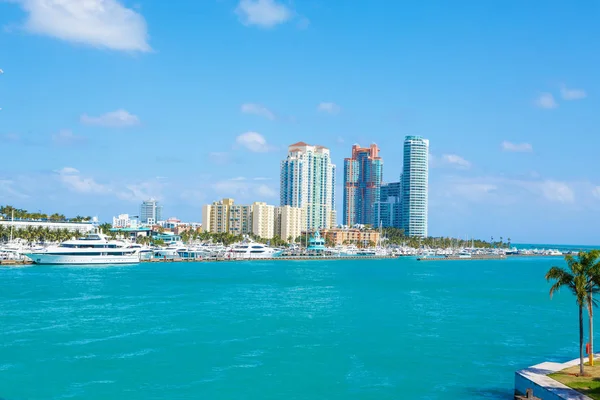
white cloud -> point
(262, 178)
(330, 108)
(546, 100)
(141, 191)
(119, 118)
(257, 109)
(253, 141)
(596, 192)
(456, 161)
(66, 137)
(72, 179)
(340, 140)
(572, 94)
(263, 13)
(98, 23)
(517, 147)
(557, 191)
(265, 191)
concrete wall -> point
(546, 388)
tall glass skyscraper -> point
(415, 177)
(362, 185)
(389, 208)
(308, 181)
(150, 212)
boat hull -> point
(61, 259)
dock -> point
(459, 258)
(282, 258)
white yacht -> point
(94, 248)
(251, 250)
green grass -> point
(588, 385)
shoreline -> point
(315, 258)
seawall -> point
(546, 388)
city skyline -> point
(95, 124)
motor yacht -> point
(94, 248)
(251, 250)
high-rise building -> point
(150, 212)
(362, 185)
(388, 210)
(260, 219)
(263, 220)
(415, 176)
(307, 182)
(216, 216)
(240, 219)
(289, 222)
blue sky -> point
(105, 103)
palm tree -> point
(577, 279)
(592, 260)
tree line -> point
(9, 212)
(36, 234)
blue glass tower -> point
(415, 180)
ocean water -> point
(352, 329)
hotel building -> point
(307, 181)
(415, 176)
(362, 185)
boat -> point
(251, 250)
(94, 248)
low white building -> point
(82, 227)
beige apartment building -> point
(290, 222)
(351, 236)
(263, 220)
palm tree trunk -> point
(591, 312)
(581, 372)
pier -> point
(459, 258)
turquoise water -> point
(388, 329)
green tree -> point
(578, 277)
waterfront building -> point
(388, 210)
(290, 222)
(240, 219)
(81, 227)
(216, 216)
(263, 220)
(123, 221)
(415, 176)
(307, 181)
(260, 219)
(362, 185)
(344, 236)
(150, 212)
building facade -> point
(81, 227)
(362, 185)
(150, 212)
(389, 207)
(307, 181)
(415, 185)
(263, 220)
(289, 222)
(359, 237)
(215, 216)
